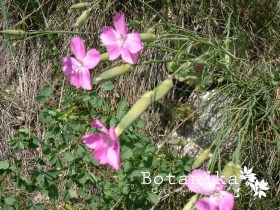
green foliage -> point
(65, 161)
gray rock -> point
(205, 129)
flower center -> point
(78, 66)
(121, 40)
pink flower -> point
(201, 182)
(77, 68)
(106, 146)
(119, 42)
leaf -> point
(72, 194)
(52, 112)
(21, 145)
(40, 177)
(4, 164)
(41, 99)
(92, 178)
(10, 200)
(113, 122)
(121, 107)
(86, 97)
(69, 157)
(134, 173)
(52, 192)
(24, 130)
(75, 126)
(107, 86)
(127, 153)
(40, 206)
(139, 124)
(153, 197)
(46, 90)
(82, 178)
(150, 148)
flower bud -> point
(83, 16)
(148, 37)
(114, 72)
(163, 88)
(201, 158)
(13, 32)
(191, 203)
(82, 5)
(142, 104)
(232, 170)
(135, 112)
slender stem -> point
(42, 32)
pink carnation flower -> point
(119, 42)
(77, 68)
(106, 146)
(201, 182)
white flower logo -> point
(251, 180)
(259, 187)
(248, 176)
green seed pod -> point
(147, 37)
(105, 56)
(82, 5)
(201, 158)
(231, 174)
(163, 88)
(114, 72)
(135, 112)
(191, 203)
(83, 16)
(13, 32)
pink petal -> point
(114, 51)
(109, 36)
(68, 65)
(98, 124)
(92, 140)
(114, 156)
(200, 181)
(72, 68)
(78, 47)
(220, 185)
(128, 56)
(120, 24)
(112, 134)
(74, 79)
(226, 201)
(91, 59)
(100, 153)
(133, 42)
(207, 203)
(85, 79)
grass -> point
(239, 41)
